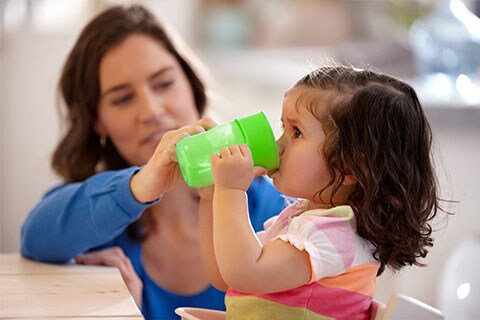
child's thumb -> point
(259, 171)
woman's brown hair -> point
(79, 153)
(378, 132)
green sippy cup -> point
(194, 152)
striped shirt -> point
(343, 270)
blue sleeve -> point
(75, 217)
(264, 201)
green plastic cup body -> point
(194, 152)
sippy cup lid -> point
(260, 139)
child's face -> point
(303, 170)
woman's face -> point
(143, 93)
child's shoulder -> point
(344, 212)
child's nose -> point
(280, 146)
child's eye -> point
(296, 132)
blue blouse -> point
(78, 217)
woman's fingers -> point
(162, 173)
(173, 137)
(207, 123)
(115, 257)
(197, 127)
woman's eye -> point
(163, 84)
(122, 100)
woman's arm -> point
(76, 217)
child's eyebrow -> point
(294, 120)
(287, 120)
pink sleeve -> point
(329, 241)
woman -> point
(130, 94)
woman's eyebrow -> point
(113, 89)
(160, 72)
(125, 86)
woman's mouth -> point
(153, 139)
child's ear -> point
(349, 180)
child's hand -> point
(233, 168)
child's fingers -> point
(245, 150)
(214, 156)
(235, 149)
(225, 152)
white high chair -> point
(399, 307)
(403, 307)
(187, 313)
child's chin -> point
(272, 173)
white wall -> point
(29, 124)
(457, 136)
(2, 117)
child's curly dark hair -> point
(377, 131)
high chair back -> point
(403, 307)
(187, 313)
(377, 309)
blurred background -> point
(254, 50)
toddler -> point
(356, 150)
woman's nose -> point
(151, 107)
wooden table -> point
(33, 290)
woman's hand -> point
(162, 173)
(206, 193)
(115, 257)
